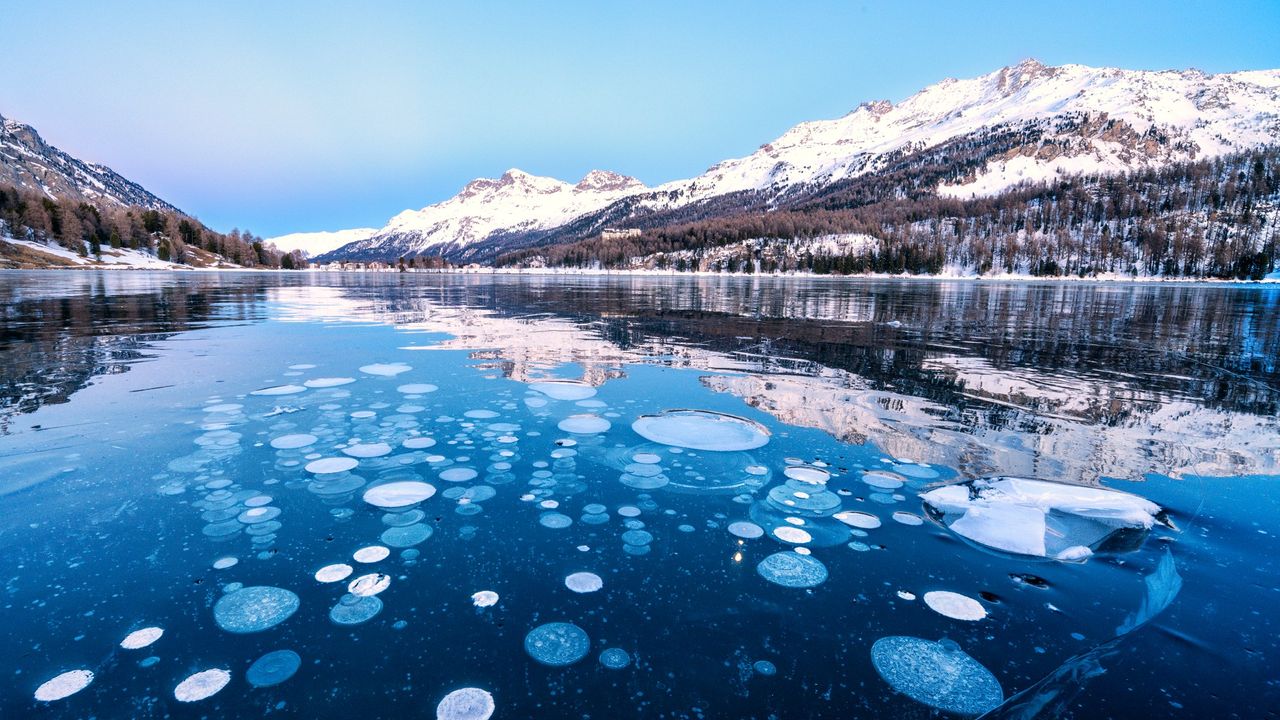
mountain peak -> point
(606, 181)
(1013, 78)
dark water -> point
(131, 449)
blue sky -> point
(280, 117)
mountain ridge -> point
(1089, 119)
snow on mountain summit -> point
(1209, 114)
(515, 202)
(1064, 119)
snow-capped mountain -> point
(1050, 120)
(317, 243)
(517, 202)
(1118, 120)
(30, 163)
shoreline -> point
(1274, 279)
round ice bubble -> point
(790, 569)
(954, 605)
(615, 658)
(273, 668)
(557, 644)
(254, 609)
(583, 582)
(701, 430)
(938, 674)
(402, 493)
(564, 389)
(201, 685)
(466, 704)
(64, 685)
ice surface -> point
(1162, 586)
(273, 668)
(790, 569)
(201, 685)
(1037, 517)
(701, 430)
(280, 390)
(557, 644)
(64, 685)
(254, 609)
(938, 674)
(583, 582)
(466, 704)
(954, 605)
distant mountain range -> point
(29, 163)
(965, 138)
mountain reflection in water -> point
(1064, 381)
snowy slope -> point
(28, 162)
(317, 243)
(1207, 114)
(515, 202)
(1085, 120)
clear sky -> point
(281, 117)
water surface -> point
(134, 456)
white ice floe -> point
(583, 582)
(201, 685)
(466, 704)
(701, 430)
(1039, 518)
(64, 685)
(139, 639)
(385, 369)
(954, 605)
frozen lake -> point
(317, 495)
